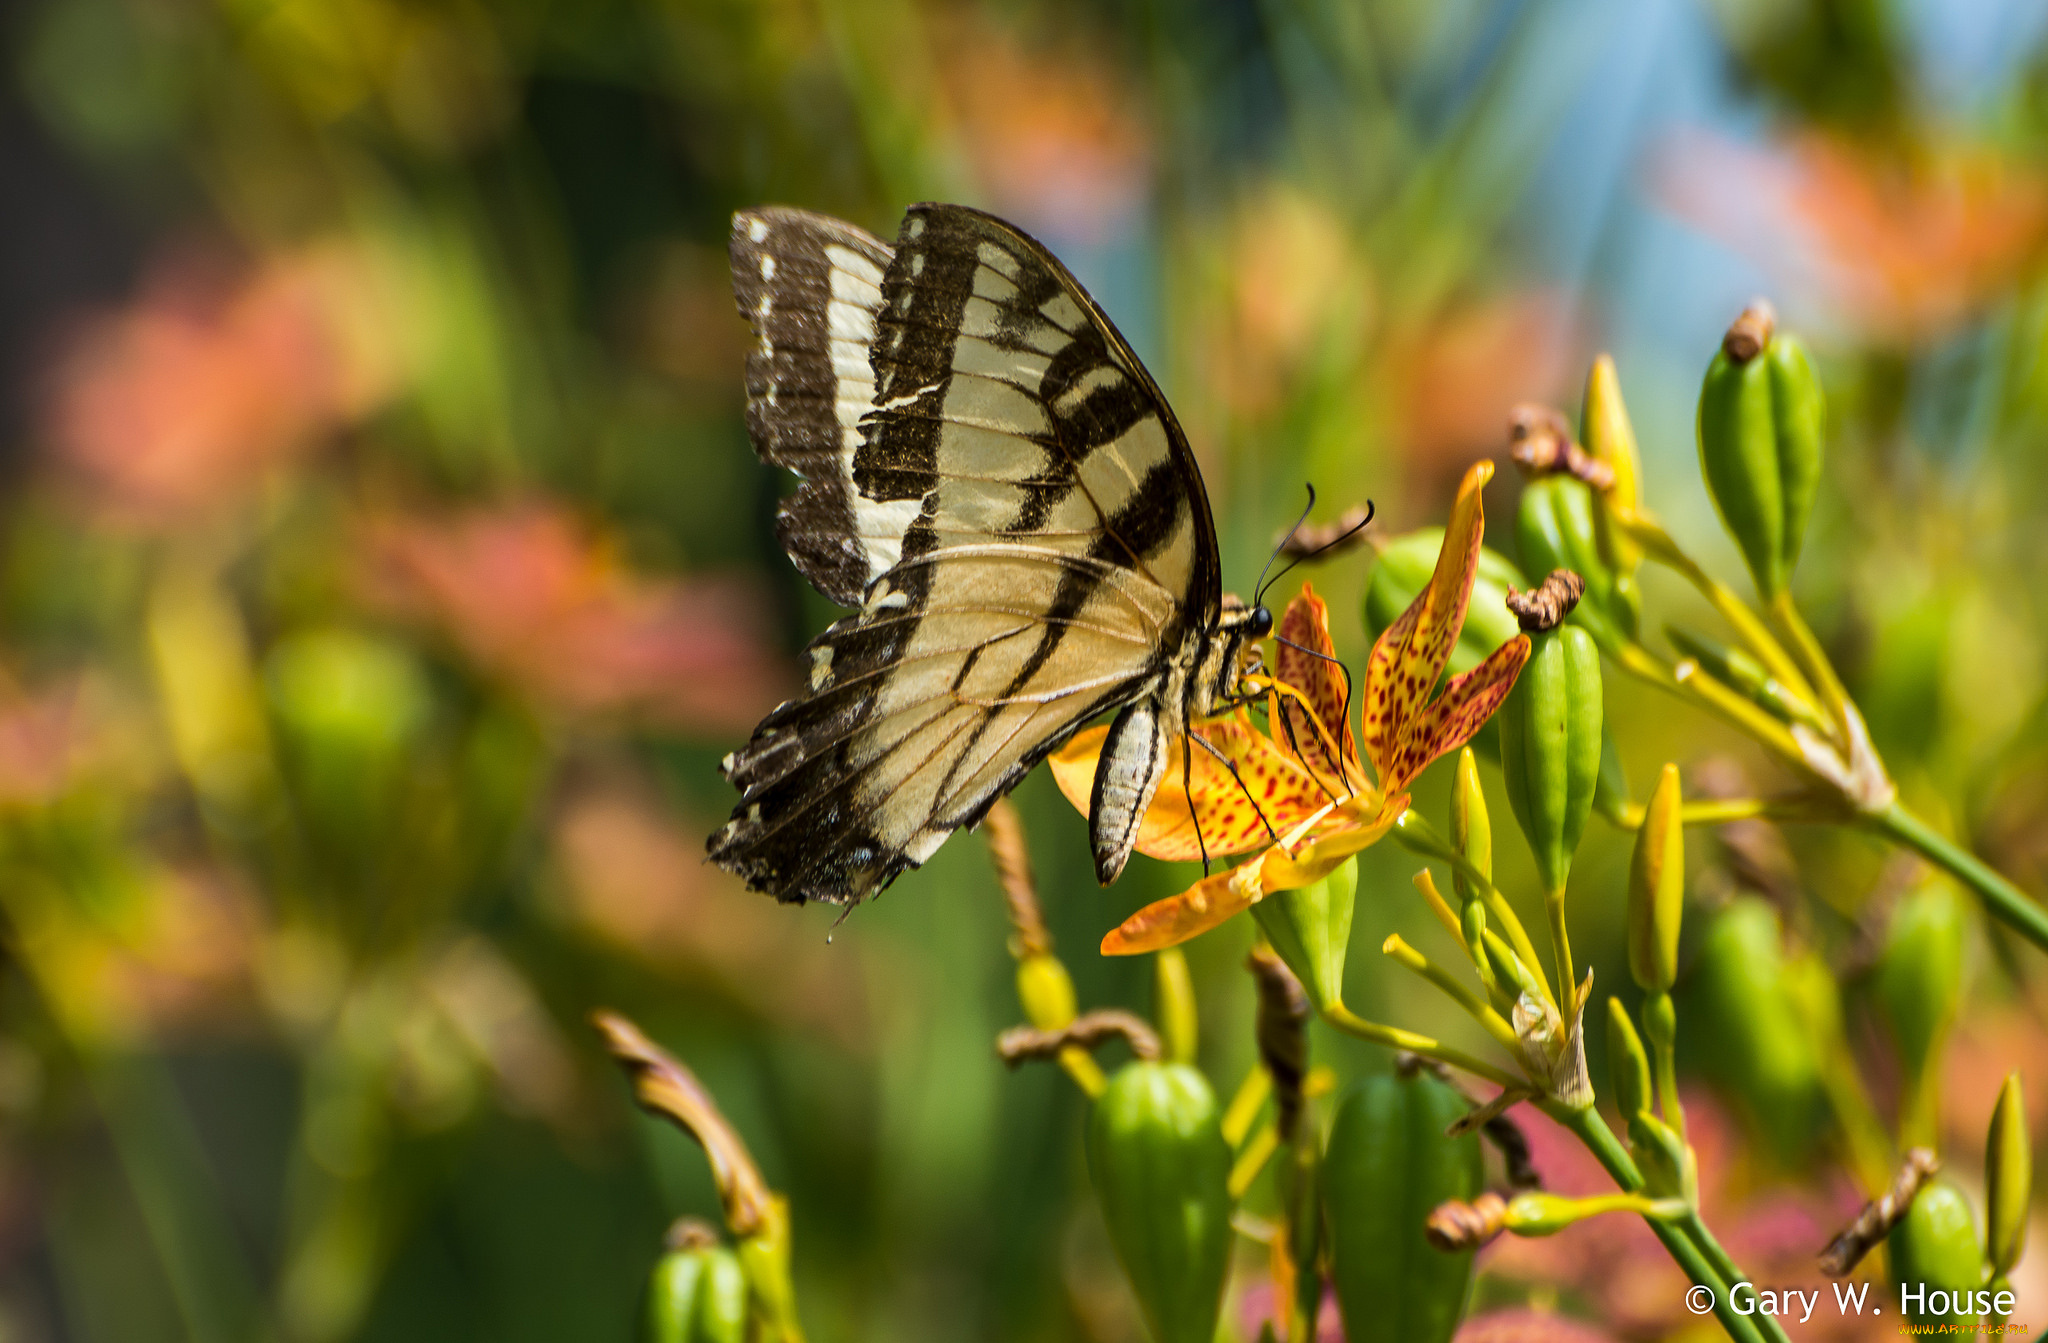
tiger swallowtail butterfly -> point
(993, 479)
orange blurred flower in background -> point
(1052, 134)
(1903, 247)
(1455, 376)
(186, 399)
(529, 596)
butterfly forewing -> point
(1055, 553)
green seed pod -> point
(1751, 1030)
(697, 1295)
(1311, 930)
(1162, 1171)
(1627, 1061)
(1556, 530)
(2008, 1177)
(1386, 1167)
(1656, 889)
(1919, 985)
(1760, 420)
(1919, 979)
(1550, 747)
(1935, 1250)
(1471, 829)
(1608, 436)
(1403, 569)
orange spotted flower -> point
(1304, 771)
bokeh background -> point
(384, 569)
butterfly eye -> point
(1261, 622)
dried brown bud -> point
(1540, 441)
(1545, 606)
(689, 1233)
(1879, 1216)
(1456, 1226)
(1012, 858)
(1282, 1033)
(1090, 1031)
(1321, 541)
(663, 1086)
(1752, 331)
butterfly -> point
(997, 485)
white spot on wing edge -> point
(767, 267)
(757, 229)
(821, 667)
(924, 844)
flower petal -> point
(1230, 824)
(1411, 653)
(1172, 921)
(1467, 702)
(1323, 682)
(1310, 863)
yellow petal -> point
(1410, 653)
(1310, 863)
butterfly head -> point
(1259, 623)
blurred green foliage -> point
(383, 577)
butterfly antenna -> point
(1231, 765)
(1259, 592)
(1339, 539)
(1187, 790)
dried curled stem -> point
(1545, 606)
(663, 1086)
(1282, 1034)
(1751, 332)
(1540, 441)
(1012, 858)
(1322, 541)
(1089, 1031)
(1455, 1226)
(1879, 1216)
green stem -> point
(1414, 831)
(1344, 1019)
(1689, 1252)
(2007, 902)
(1561, 948)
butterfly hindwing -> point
(1057, 554)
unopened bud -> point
(1627, 1061)
(1656, 888)
(2008, 1177)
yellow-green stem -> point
(1561, 948)
(1393, 1037)
(1496, 1025)
(1413, 829)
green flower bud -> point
(1752, 1031)
(1656, 889)
(1670, 1170)
(698, 1294)
(1387, 1166)
(1311, 930)
(1760, 419)
(1627, 1061)
(1471, 829)
(1935, 1249)
(1550, 747)
(1162, 1171)
(1608, 437)
(1556, 530)
(2008, 1177)
(1403, 569)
